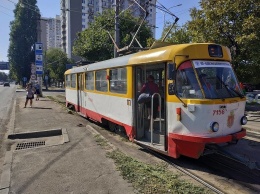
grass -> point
(148, 179)
(57, 100)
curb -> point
(6, 174)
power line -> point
(6, 13)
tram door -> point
(156, 136)
(80, 92)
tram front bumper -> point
(193, 146)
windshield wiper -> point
(232, 89)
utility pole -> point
(117, 39)
(39, 73)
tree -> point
(234, 24)
(94, 43)
(178, 35)
(3, 76)
(22, 36)
(55, 64)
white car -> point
(250, 97)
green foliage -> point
(147, 178)
(3, 76)
(22, 36)
(94, 44)
(55, 63)
(176, 35)
(234, 24)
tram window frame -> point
(89, 83)
(118, 80)
(68, 81)
(73, 80)
(187, 85)
(101, 81)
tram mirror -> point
(171, 71)
(171, 88)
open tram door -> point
(150, 132)
(80, 94)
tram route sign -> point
(38, 58)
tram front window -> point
(187, 85)
(217, 79)
(210, 80)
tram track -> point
(233, 169)
(195, 168)
(254, 135)
(187, 172)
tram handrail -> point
(151, 116)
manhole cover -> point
(26, 145)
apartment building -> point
(76, 15)
(50, 34)
(53, 32)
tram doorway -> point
(80, 94)
(148, 130)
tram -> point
(200, 101)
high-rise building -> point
(50, 34)
(53, 32)
(76, 15)
(71, 17)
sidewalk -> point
(70, 162)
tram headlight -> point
(243, 120)
(214, 126)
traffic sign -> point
(38, 58)
(33, 77)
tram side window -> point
(73, 80)
(90, 80)
(118, 81)
(67, 81)
(101, 81)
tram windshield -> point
(207, 79)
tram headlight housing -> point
(243, 120)
(214, 126)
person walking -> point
(29, 95)
(37, 88)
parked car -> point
(7, 84)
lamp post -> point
(117, 40)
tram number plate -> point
(219, 112)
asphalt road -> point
(7, 97)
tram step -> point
(158, 137)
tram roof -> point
(166, 53)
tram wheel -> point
(112, 126)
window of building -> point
(101, 80)
(89, 80)
(118, 81)
(73, 80)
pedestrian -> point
(37, 90)
(29, 95)
(151, 88)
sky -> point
(51, 8)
